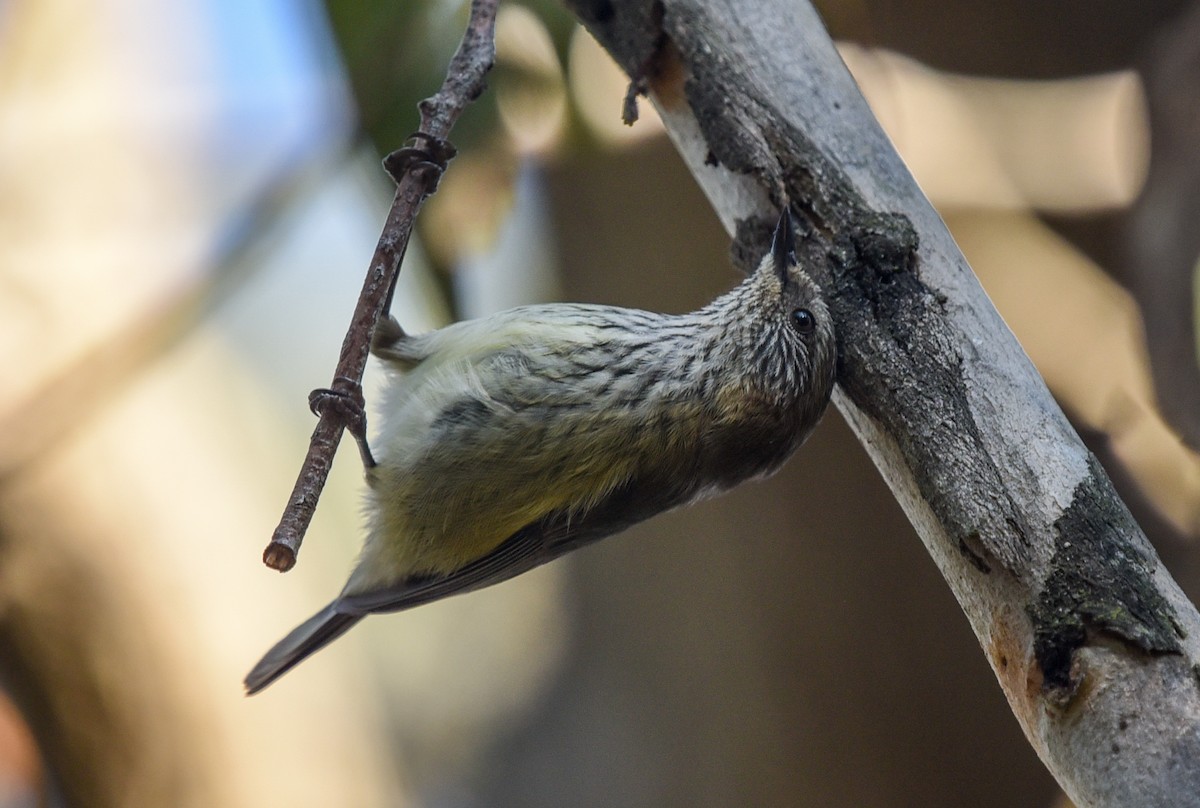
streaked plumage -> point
(510, 440)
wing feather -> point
(529, 547)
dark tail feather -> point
(309, 637)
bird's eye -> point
(803, 321)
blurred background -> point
(190, 198)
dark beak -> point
(783, 247)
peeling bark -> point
(1092, 641)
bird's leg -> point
(345, 401)
(388, 332)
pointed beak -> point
(783, 247)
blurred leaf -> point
(397, 53)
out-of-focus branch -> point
(1094, 644)
(1163, 242)
(416, 170)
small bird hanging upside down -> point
(510, 440)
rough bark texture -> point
(1093, 642)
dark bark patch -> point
(631, 31)
(602, 11)
(1100, 581)
(901, 365)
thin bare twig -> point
(416, 169)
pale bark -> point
(1092, 641)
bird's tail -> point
(309, 637)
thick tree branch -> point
(1093, 642)
(416, 170)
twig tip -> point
(279, 557)
(629, 109)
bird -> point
(506, 441)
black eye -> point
(804, 321)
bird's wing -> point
(640, 498)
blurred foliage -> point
(396, 54)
